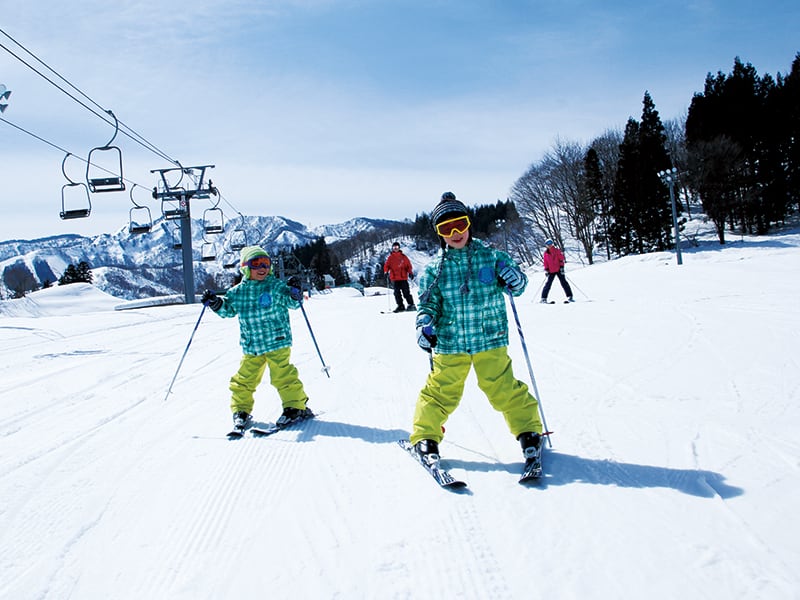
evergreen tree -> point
(655, 201)
(70, 275)
(84, 272)
(642, 212)
(747, 116)
(621, 234)
(80, 274)
(598, 196)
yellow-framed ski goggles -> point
(451, 226)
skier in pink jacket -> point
(554, 267)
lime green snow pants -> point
(283, 376)
(445, 386)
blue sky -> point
(324, 110)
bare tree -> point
(537, 204)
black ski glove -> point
(295, 288)
(211, 300)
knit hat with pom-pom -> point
(448, 208)
(248, 254)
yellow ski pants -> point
(444, 387)
(283, 377)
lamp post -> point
(501, 224)
(669, 177)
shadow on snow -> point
(560, 468)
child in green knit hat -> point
(261, 301)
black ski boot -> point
(532, 450)
(531, 445)
(428, 451)
(290, 415)
(241, 420)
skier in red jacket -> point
(554, 267)
(399, 269)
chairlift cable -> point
(59, 148)
(139, 139)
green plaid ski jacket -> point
(465, 299)
(262, 308)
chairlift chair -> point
(238, 239)
(213, 220)
(230, 260)
(207, 252)
(110, 180)
(75, 202)
(176, 239)
(141, 221)
(140, 218)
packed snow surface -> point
(673, 394)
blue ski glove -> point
(511, 277)
(426, 334)
(211, 300)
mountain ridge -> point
(132, 266)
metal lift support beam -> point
(185, 197)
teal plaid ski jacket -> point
(461, 292)
(262, 308)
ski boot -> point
(531, 446)
(532, 451)
(428, 451)
(242, 420)
(290, 415)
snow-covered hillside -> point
(673, 393)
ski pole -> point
(528, 360)
(325, 367)
(572, 283)
(541, 285)
(191, 337)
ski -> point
(270, 428)
(440, 475)
(238, 431)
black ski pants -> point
(562, 279)
(401, 291)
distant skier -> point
(261, 301)
(400, 270)
(554, 267)
(462, 316)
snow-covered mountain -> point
(138, 265)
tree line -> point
(737, 153)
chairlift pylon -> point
(111, 178)
(75, 201)
(140, 218)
